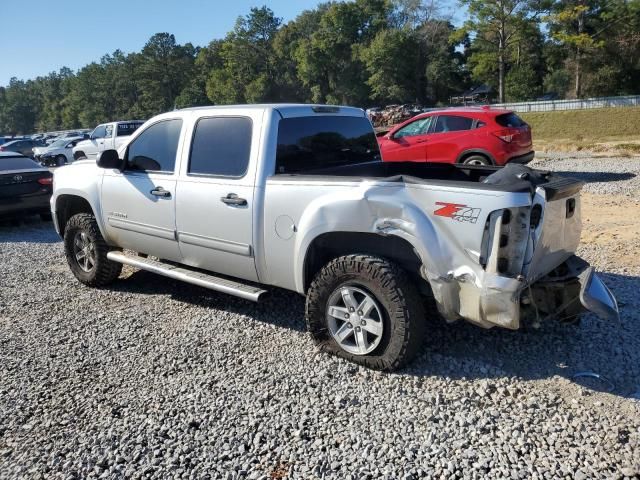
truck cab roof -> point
(287, 110)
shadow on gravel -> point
(465, 351)
(611, 350)
(29, 230)
(281, 308)
(598, 177)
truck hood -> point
(67, 174)
(81, 144)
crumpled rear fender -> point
(387, 211)
(447, 248)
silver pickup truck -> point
(242, 198)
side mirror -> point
(109, 159)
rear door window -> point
(510, 120)
(108, 132)
(221, 146)
(313, 143)
(452, 123)
(125, 129)
(154, 150)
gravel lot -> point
(153, 378)
(606, 175)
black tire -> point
(477, 160)
(103, 271)
(46, 217)
(61, 160)
(79, 155)
(400, 302)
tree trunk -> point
(501, 61)
(578, 74)
(578, 71)
(501, 73)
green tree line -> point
(359, 52)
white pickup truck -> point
(106, 136)
(240, 199)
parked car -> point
(296, 197)
(23, 146)
(473, 136)
(25, 187)
(58, 153)
(104, 137)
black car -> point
(25, 187)
(24, 146)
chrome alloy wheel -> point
(84, 251)
(355, 320)
(475, 162)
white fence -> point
(578, 104)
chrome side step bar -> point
(184, 274)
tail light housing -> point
(505, 240)
(506, 134)
(46, 181)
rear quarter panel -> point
(445, 225)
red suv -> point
(476, 136)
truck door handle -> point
(160, 192)
(233, 199)
(424, 140)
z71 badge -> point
(457, 211)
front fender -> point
(81, 180)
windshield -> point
(59, 143)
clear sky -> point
(40, 36)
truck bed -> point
(511, 178)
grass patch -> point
(586, 126)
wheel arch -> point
(330, 245)
(475, 151)
(68, 205)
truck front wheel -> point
(86, 252)
(365, 309)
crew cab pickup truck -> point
(106, 136)
(239, 199)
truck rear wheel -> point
(365, 309)
(86, 252)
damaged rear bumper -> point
(494, 300)
(596, 297)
